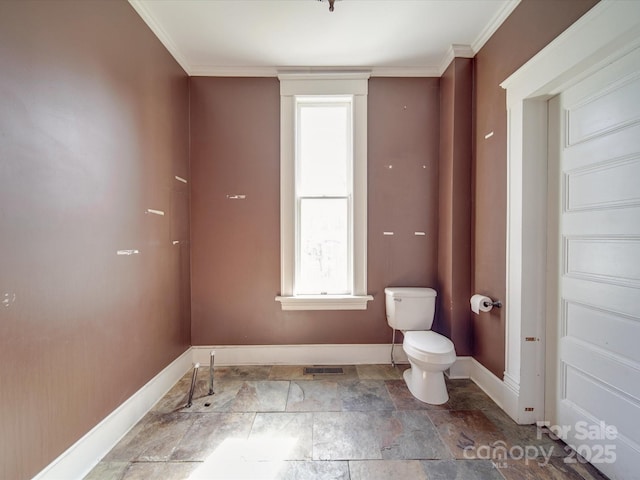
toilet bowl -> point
(430, 354)
(411, 311)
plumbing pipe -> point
(193, 383)
(211, 357)
(393, 344)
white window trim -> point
(292, 84)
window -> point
(323, 199)
(323, 193)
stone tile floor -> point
(275, 422)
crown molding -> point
(324, 75)
(162, 35)
(405, 72)
(455, 50)
(493, 25)
(214, 71)
(211, 71)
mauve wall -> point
(531, 26)
(93, 128)
(235, 149)
(454, 224)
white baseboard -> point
(461, 368)
(469, 367)
(78, 460)
(512, 399)
(464, 367)
(350, 354)
(225, 355)
(488, 382)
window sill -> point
(325, 302)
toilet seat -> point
(429, 347)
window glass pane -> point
(323, 247)
(323, 149)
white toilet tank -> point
(410, 308)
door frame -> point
(607, 32)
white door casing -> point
(594, 317)
(607, 32)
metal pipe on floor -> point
(193, 383)
(211, 357)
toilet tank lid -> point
(410, 292)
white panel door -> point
(597, 398)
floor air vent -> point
(323, 370)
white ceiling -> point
(261, 37)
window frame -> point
(355, 86)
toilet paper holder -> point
(496, 303)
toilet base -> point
(428, 387)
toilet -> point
(411, 310)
